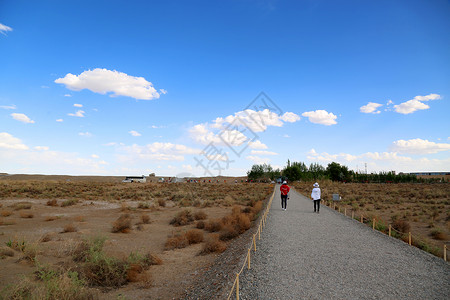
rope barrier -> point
(247, 259)
(411, 239)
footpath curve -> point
(305, 255)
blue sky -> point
(135, 87)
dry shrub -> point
(52, 202)
(79, 219)
(401, 225)
(438, 234)
(194, 236)
(228, 232)
(182, 218)
(69, 228)
(22, 205)
(50, 218)
(214, 225)
(200, 225)
(47, 237)
(153, 259)
(69, 202)
(144, 205)
(200, 215)
(257, 207)
(213, 244)
(145, 219)
(176, 241)
(162, 202)
(6, 213)
(52, 286)
(4, 252)
(122, 224)
(26, 215)
(124, 207)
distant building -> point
(428, 175)
(141, 179)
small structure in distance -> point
(141, 179)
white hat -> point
(316, 185)
(284, 182)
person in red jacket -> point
(284, 189)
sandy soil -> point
(180, 267)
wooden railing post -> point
(445, 252)
(237, 286)
(345, 211)
(248, 258)
(409, 238)
(373, 223)
(390, 229)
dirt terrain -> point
(43, 226)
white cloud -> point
(85, 134)
(258, 160)
(8, 106)
(156, 151)
(41, 148)
(257, 145)
(257, 121)
(262, 152)
(67, 95)
(286, 136)
(134, 133)
(59, 120)
(104, 81)
(415, 104)
(4, 29)
(22, 118)
(79, 114)
(95, 156)
(290, 117)
(320, 117)
(382, 161)
(163, 91)
(78, 105)
(239, 128)
(370, 108)
(418, 146)
(7, 141)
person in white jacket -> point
(315, 195)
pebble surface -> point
(305, 255)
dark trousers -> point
(317, 202)
(283, 201)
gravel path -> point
(305, 255)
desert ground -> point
(103, 239)
(419, 208)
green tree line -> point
(334, 171)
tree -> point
(292, 173)
(256, 172)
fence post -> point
(237, 286)
(353, 214)
(345, 211)
(389, 229)
(249, 258)
(254, 242)
(339, 208)
(373, 223)
(259, 232)
(445, 252)
(361, 218)
(410, 238)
